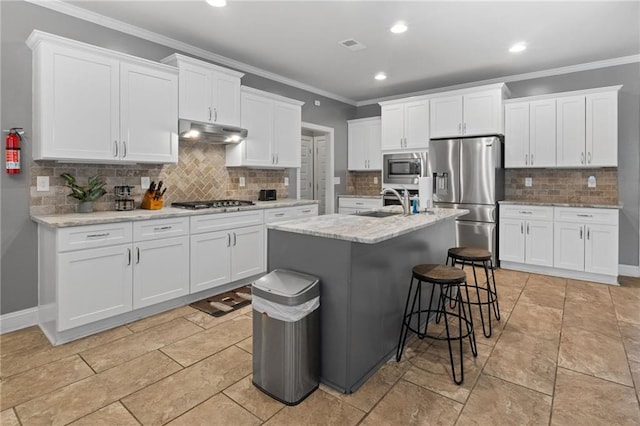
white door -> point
(512, 240)
(568, 247)
(148, 114)
(320, 172)
(210, 260)
(446, 116)
(195, 92)
(516, 135)
(96, 284)
(539, 243)
(602, 129)
(482, 113)
(570, 136)
(226, 99)
(542, 141)
(306, 168)
(416, 124)
(392, 126)
(161, 270)
(601, 249)
(247, 252)
(257, 118)
(286, 134)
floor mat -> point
(224, 303)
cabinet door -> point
(210, 260)
(542, 126)
(516, 135)
(247, 252)
(373, 148)
(392, 126)
(77, 100)
(568, 247)
(570, 136)
(196, 88)
(602, 130)
(482, 113)
(539, 243)
(287, 128)
(416, 124)
(148, 114)
(446, 116)
(161, 270)
(512, 240)
(257, 118)
(601, 249)
(357, 155)
(94, 284)
(226, 99)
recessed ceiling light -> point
(399, 28)
(518, 47)
(381, 76)
(217, 3)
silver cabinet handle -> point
(525, 212)
(582, 158)
(526, 159)
(116, 145)
(581, 232)
(306, 211)
(277, 159)
(584, 215)
(162, 228)
(588, 233)
(129, 254)
(532, 159)
(234, 239)
(104, 234)
(138, 254)
(124, 149)
(527, 229)
(279, 214)
(228, 240)
(460, 128)
(464, 128)
(209, 113)
(359, 204)
(521, 228)
(215, 112)
(589, 158)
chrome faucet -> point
(404, 199)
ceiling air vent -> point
(352, 44)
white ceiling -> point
(447, 43)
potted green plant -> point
(86, 194)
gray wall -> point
(18, 241)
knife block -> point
(149, 203)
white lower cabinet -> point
(586, 240)
(352, 205)
(526, 234)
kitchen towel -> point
(425, 192)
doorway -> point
(314, 179)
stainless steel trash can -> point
(286, 335)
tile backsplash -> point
(562, 185)
(199, 175)
(362, 183)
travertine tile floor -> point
(564, 353)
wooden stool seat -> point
(470, 253)
(439, 274)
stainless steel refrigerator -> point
(468, 174)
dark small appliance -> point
(267, 195)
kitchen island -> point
(364, 265)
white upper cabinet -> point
(530, 134)
(274, 125)
(94, 105)
(405, 124)
(467, 112)
(364, 152)
(570, 131)
(208, 93)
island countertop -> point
(368, 230)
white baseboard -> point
(18, 320)
(629, 270)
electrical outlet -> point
(591, 182)
(375, 180)
(336, 180)
(145, 182)
(42, 183)
(286, 181)
(242, 181)
(528, 182)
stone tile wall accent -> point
(199, 175)
(361, 183)
(562, 185)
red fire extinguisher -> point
(12, 155)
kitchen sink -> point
(377, 213)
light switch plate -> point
(336, 180)
(528, 182)
(42, 183)
(375, 180)
(242, 181)
(145, 182)
(591, 181)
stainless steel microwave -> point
(404, 168)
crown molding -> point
(114, 24)
(517, 77)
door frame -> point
(329, 186)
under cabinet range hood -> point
(197, 131)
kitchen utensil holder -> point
(149, 203)
(122, 201)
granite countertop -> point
(368, 230)
(373, 197)
(577, 205)
(111, 216)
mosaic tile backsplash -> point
(361, 183)
(562, 186)
(199, 175)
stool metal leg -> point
(446, 325)
(496, 306)
(475, 279)
(469, 322)
(404, 329)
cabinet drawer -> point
(516, 211)
(586, 215)
(160, 228)
(221, 221)
(360, 203)
(93, 236)
(278, 215)
(304, 211)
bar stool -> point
(444, 278)
(475, 256)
